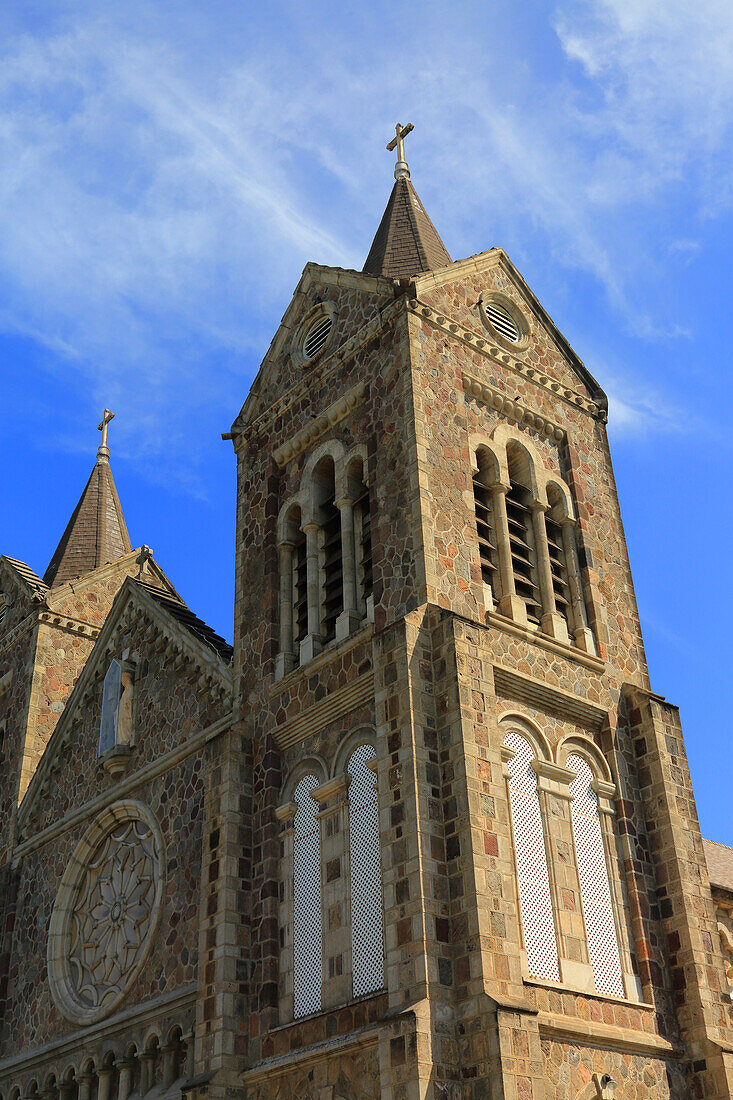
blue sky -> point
(167, 169)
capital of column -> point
(311, 525)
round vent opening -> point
(503, 321)
(317, 335)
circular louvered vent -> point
(317, 335)
(503, 321)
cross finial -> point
(398, 142)
(103, 452)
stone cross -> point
(103, 451)
(398, 142)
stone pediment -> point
(353, 298)
(174, 643)
(428, 288)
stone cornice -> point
(491, 351)
(323, 370)
(320, 425)
(573, 1029)
(527, 689)
(335, 704)
(70, 625)
(512, 410)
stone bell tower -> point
(431, 563)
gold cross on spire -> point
(103, 452)
(398, 142)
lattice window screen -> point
(595, 890)
(307, 926)
(538, 926)
(367, 911)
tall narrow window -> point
(535, 899)
(367, 919)
(485, 530)
(307, 925)
(556, 550)
(300, 590)
(331, 562)
(521, 536)
(595, 890)
(363, 521)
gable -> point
(460, 291)
(182, 684)
(352, 299)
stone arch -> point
(585, 747)
(531, 464)
(330, 448)
(488, 458)
(309, 765)
(513, 720)
(365, 735)
(559, 498)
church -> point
(425, 831)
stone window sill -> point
(328, 1011)
(536, 637)
(563, 987)
(335, 648)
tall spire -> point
(96, 533)
(407, 242)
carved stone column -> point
(126, 1067)
(349, 620)
(311, 644)
(510, 604)
(86, 1080)
(105, 1083)
(581, 631)
(286, 655)
(553, 622)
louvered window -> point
(363, 524)
(300, 591)
(485, 530)
(558, 566)
(332, 569)
(535, 898)
(521, 542)
(307, 922)
(595, 889)
(317, 335)
(367, 912)
(503, 321)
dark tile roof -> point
(407, 242)
(191, 622)
(32, 579)
(719, 858)
(95, 534)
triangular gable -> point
(140, 556)
(275, 374)
(137, 599)
(23, 578)
(461, 269)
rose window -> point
(105, 913)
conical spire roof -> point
(96, 533)
(406, 243)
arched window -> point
(521, 533)
(595, 888)
(556, 551)
(367, 920)
(485, 523)
(535, 898)
(331, 564)
(307, 922)
(362, 534)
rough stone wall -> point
(352, 1076)
(31, 1016)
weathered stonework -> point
(429, 667)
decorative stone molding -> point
(492, 351)
(18, 631)
(71, 626)
(318, 427)
(512, 410)
(323, 369)
(538, 693)
(106, 912)
(337, 703)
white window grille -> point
(307, 921)
(111, 695)
(367, 915)
(595, 890)
(535, 899)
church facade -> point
(425, 830)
